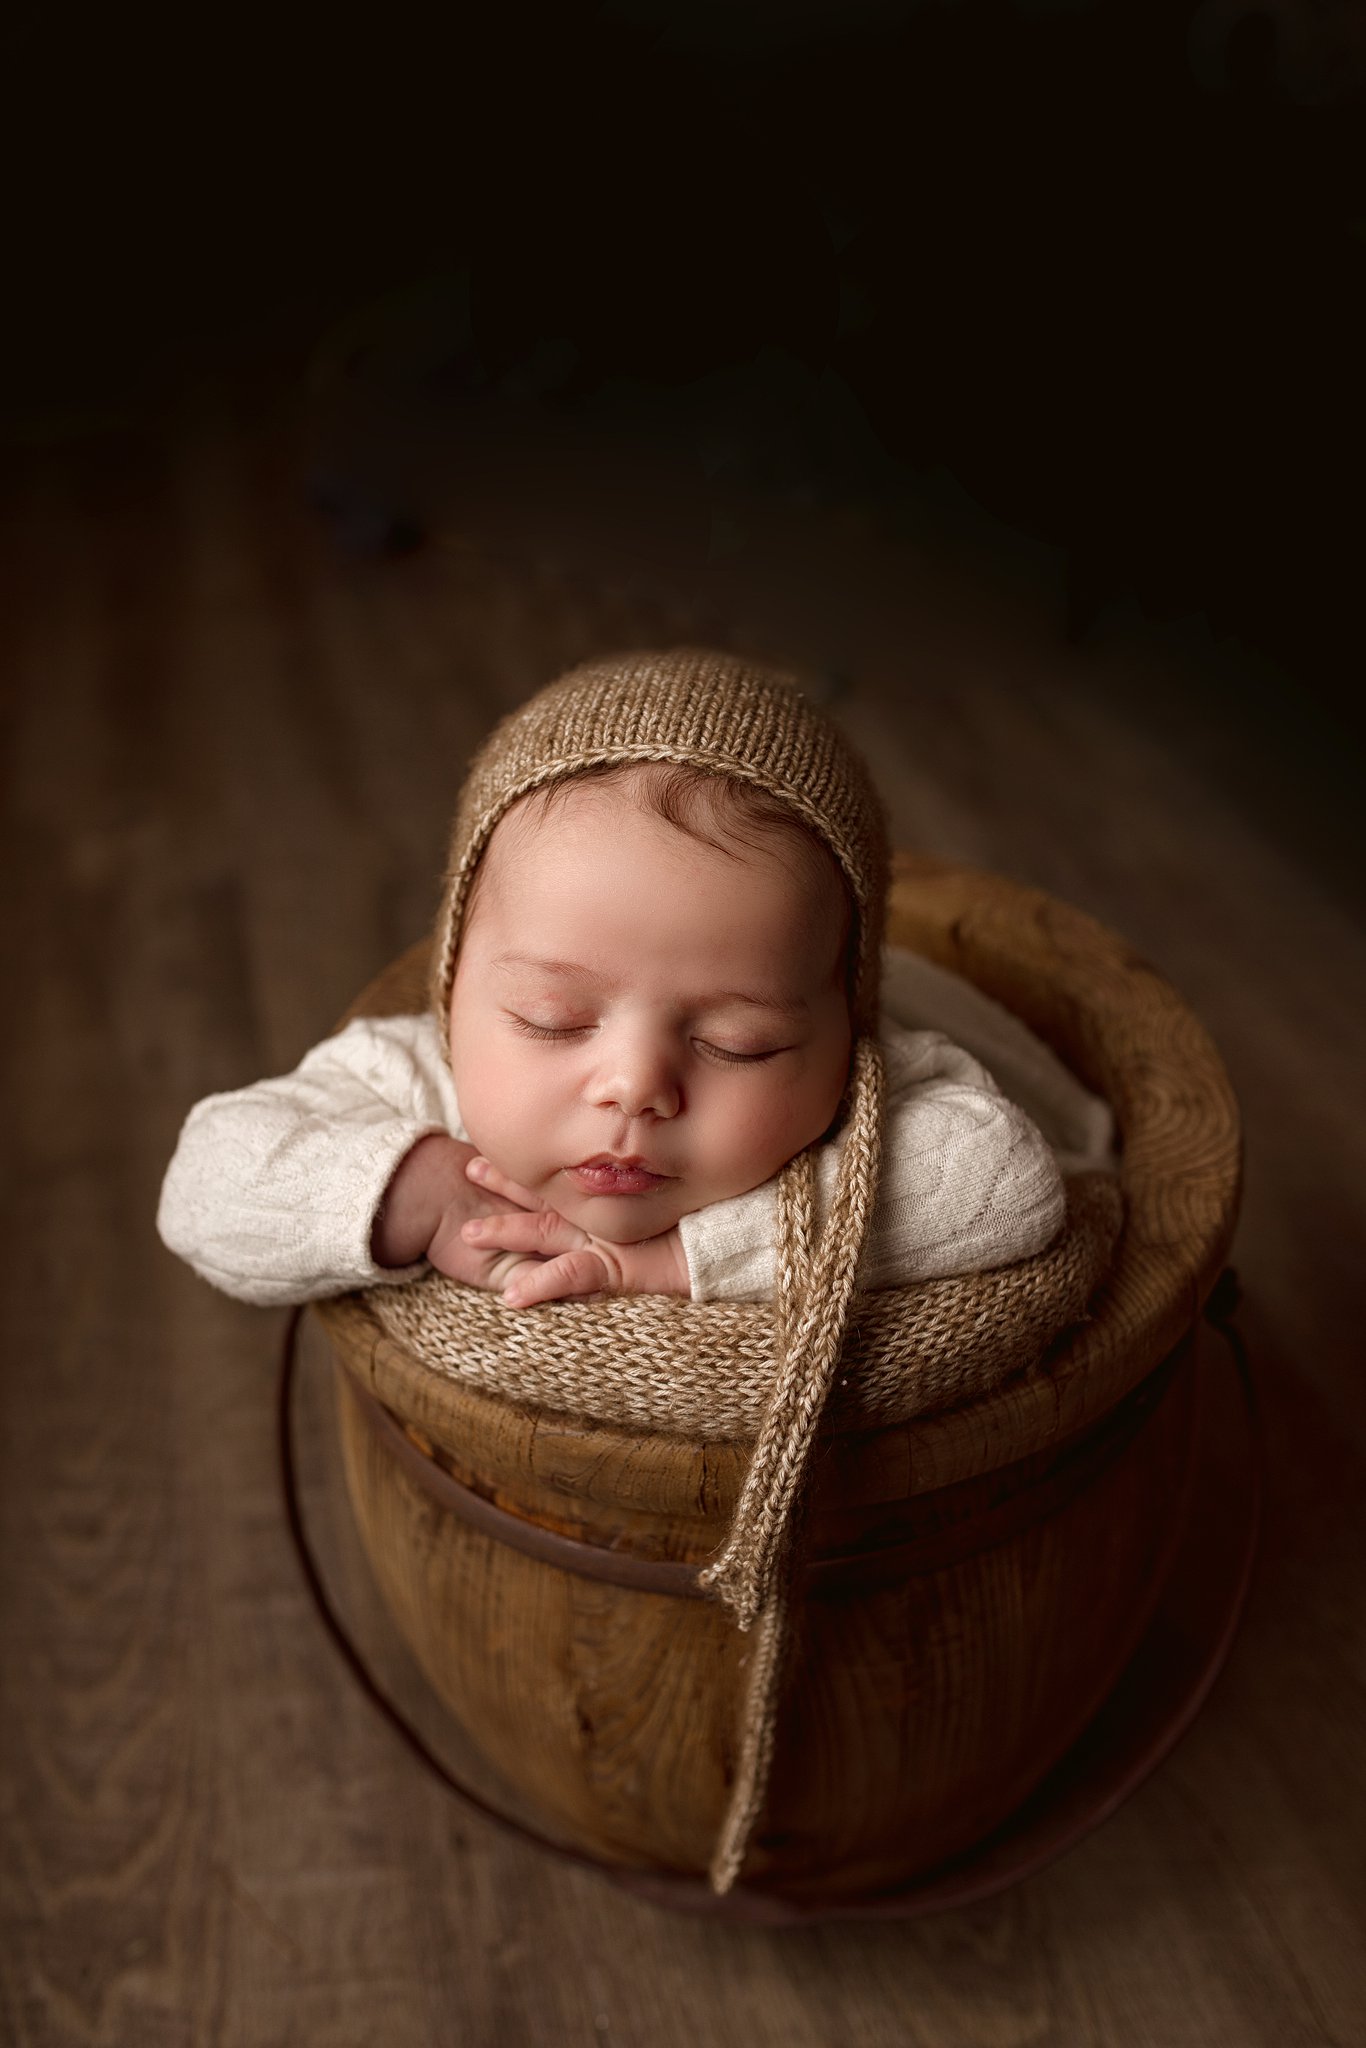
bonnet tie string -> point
(755, 1572)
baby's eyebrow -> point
(786, 1006)
(545, 966)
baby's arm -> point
(968, 1183)
(320, 1180)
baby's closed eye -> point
(724, 1055)
(729, 1058)
(549, 1031)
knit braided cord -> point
(769, 1657)
(796, 1217)
(756, 1571)
(813, 1313)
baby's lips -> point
(630, 1164)
(604, 1176)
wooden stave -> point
(581, 1723)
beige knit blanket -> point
(705, 1369)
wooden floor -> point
(230, 758)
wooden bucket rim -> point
(1123, 1029)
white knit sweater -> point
(273, 1189)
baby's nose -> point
(639, 1080)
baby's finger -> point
(573, 1273)
(487, 1176)
(542, 1231)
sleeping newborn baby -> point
(660, 944)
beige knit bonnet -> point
(726, 715)
(719, 713)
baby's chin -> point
(621, 1219)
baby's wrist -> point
(415, 1200)
(680, 1277)
(657, 1266)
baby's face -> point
(642, 1024)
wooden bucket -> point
(979, 1578)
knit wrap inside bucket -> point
(704, 1369)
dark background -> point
(1090, 274)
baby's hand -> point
(540, 1256)
(424, 1205)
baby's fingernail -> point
(477, 1169)
(474, 1228)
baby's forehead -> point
(701, 815)
(712, 810)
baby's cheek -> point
(492, 1131)
(514, 1149)
(755, 1137)
(787, 1120)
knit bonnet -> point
(725, 715)
(716, 712)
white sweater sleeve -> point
(273, 1189)
(968, 1182)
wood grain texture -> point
(959, 1656)
(229, 762)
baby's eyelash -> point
(738, 1059)
(543, 1031)
(553, 1035)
